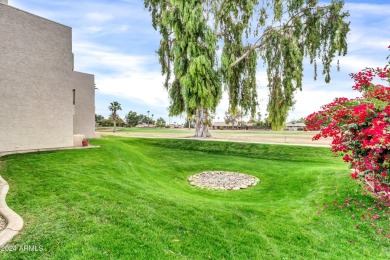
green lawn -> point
(140, 130)
(130, 199)
(192, 131)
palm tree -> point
(148, 118)
(114, 106)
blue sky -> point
(114, 40)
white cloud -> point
(98, 17)
(129, 76)
(92, 29)
(135, 86)
(123, 28)
(364, 9)
(309, 101)
(93, 56)
(354, 63)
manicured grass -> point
(140, 130)
(130, 199)
(192, 131)
(261, 132)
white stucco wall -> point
(36, 82)
(84, 110)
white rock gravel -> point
(221, 180)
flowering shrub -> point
(360, 128)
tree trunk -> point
(114, 117)
(201, 125)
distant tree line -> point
(131, 119)
(236, 120)
(102, 121)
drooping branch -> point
(259, 42)
(249, 48)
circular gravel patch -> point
(221, 180)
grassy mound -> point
(131, 199)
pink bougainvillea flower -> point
(360, 128)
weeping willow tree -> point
(207, 45)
